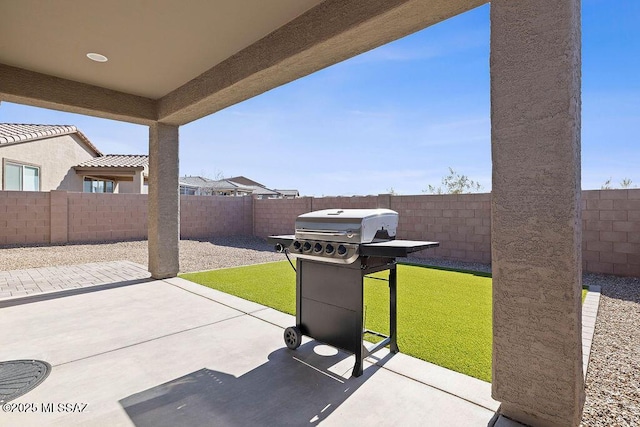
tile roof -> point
(261, 191)
(226, 184)
(221, 184)
(117, 161)
(243, 180)
(194, 181)
(11, 133)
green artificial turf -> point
(444, 316)
(272, 284)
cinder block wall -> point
(365, 202)
(60, 217)
(106, 217)
(278, 216)
(610, 220)
(25, 217)
(208, 216)
(611, 231)
(462, 223)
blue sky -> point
(398, 116)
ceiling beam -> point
(331, 32)
(41, 90)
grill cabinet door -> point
(330, 303)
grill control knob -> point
(317, 248)
(329, 249)
(342, 250)
(297, 245)
(306, 247)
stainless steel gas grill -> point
(335, 249)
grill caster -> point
(292, 337)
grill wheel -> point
(292, 337)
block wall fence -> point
(462, 223)
(60, 217)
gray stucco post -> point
(164, 201)
(138, 182)
(535, 210)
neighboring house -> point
(115, 173)
(266, 193)
(193, 185)
(288, 194)
(236, 186)
(60, 157)
(200, 186)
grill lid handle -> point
(326, 232)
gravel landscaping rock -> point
(194, 255)
(613, 380)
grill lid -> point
(348, 225)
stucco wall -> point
(135, 186)
(55, 155)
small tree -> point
(454, 183)
(625, 183)
(391, 191)
(606, 185)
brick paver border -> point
(589, 315)
(16, 284)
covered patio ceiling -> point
(173, 62)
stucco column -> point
(164, 201)
(535, 210)
(138, 182)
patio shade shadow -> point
(37, 297)
(238, 242)
(292, 388)
(624, 289)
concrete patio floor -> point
(170, 352)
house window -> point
(19, 177)
(189, 191)
(92, 185)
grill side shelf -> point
(395, 248)
(285, 240)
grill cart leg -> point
(393, 324)
(357, 369)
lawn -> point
(444, 316)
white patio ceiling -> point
(176, 61)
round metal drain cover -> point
(18, 377)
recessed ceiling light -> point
(97, 57)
